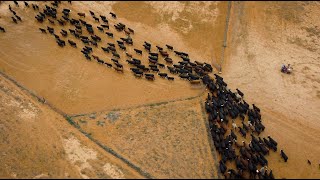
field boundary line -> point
(142, 105)
(71, 122)
(210, 141)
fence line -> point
(210, 140)
(225, 36)
(57, 110)
(143, 105)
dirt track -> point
(262, 36)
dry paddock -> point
(170, 139)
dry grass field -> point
(121, 126)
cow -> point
(100, 61)
(129, 55)
(118, 69)
(96, 19)
(131, 30)
(26, 4)
(122, 47)
(14, 20)
(61, 22)
(163, 75)
(272, 141)
(168, 60)
(73, 44)
(138, 51)
(51, 21)
(105, 21)
(43, 30)
(63, 33)
(114, 54)
(283, 155)
(105, 26)
(169, 47)
(148, 48)
(18, 17)
(161, 65)
(159, 48)
(16, 3)
(170, 78)
(87, 57)
(114, 60)
(118, 65)
(82, 14)
(105, 49)
(149, 77)
(109, 34)
(94, 43)
(100, 28)
(108, 64)
(113, 15)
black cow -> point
(16, 3)
(284, 156)
(100, 28)
(159, 48)
(272, 141)
(26, 4)
(168, 60)
(114, 60)
(87, 57)
(63, 33)
(14, 20)
(2, 29)
(131, 30)
(138, 51)
(100, 61)
(170, 78)
(61, 22)
(94, 43)
(82, 14)
(149, 76)
(43, 30)
(51, 21)
(73, 44)
(96, 19)
(148, 48)
(163, 75)
(113, 15)
(105, 49)
(122, 47)
(18, 17)
(129, 55)
(108, 64)
(169, 47)
(109, 34)
(105, 26)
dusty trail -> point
(262, 36)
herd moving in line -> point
(221, 104)
(192, 71)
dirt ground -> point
(79, 86)
(167, 140)
(262, 36)
(38, 143)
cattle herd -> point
(87, 34)
(225, 109)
